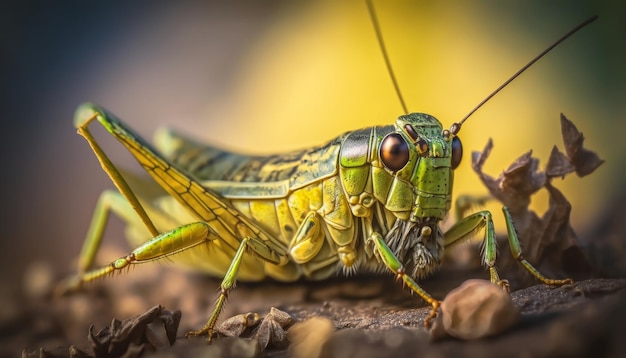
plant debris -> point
(235, 326)
(550, 241)
(151, 331)
(269, 331)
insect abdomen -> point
(206, 162)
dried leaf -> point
(549, 242)
(516, 184)
(585, 161)
(271, 330)
(153, 330)
(237, 325)
(561, 249)
(522, 177)
(558, 164)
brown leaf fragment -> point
(585, 161)
(237, 325)
(560, 248)
(548, 242)
(522, 176)
(153, 330)
(516, 184)
(271, 330)
(558, 164)
(479, 158)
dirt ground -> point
(371, 316)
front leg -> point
(384, 253)
(516, 251)
(257, 247)
(465, 228)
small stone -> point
(474, 310)
(308, 338)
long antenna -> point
(457, 126)
(379, 35)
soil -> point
(370, 316)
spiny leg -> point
(516, 251)
(464, 229)
(464, 203)
(225, 222)
(383, 252)
(229, 281)
(81, 122)
(166, 244)
(126, 205)
(109, 201)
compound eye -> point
(457, 152)
(394, 152)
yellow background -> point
(268, 76)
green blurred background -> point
(269, 76)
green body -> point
(343, 181)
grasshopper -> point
(368, 200)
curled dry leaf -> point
(549, 241)
(516, 184)
(584, 161)
(153, 330)
(559, 164)
(578, 159)
(269, 330)
(272, 329)
(236, 325)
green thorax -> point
(419, 189)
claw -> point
(506, 287)
(201, 332)
(433, 313)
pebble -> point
(475, 310)
(307, 338)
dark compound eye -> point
(394, 152)
(457, 152)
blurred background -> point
(262, 77)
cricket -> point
(370, 200)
